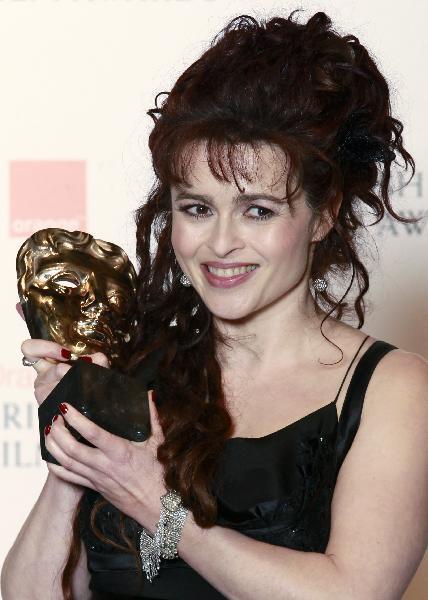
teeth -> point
(230, 272)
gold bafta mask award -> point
(80, 292)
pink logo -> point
(47, 194)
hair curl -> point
(285, 83)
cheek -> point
(285, 244)
(183, 238)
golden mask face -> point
(76, 290)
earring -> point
(320, 284)
(185, 280)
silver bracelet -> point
(167, 535)
(150, 554)
(171, 521)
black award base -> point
(115, 402)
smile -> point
(226, 278)
(231, 272)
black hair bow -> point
(357, 145)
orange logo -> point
(47, 194)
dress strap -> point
(350, 415)
(347, 370)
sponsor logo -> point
(394, 227)
(406, 192)
(413, 189)
(16, 454)
(16, 377)
(47, 194)
(16, 415)
(19, 427)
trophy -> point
(81, 293)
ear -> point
(325, 221)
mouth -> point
(95, 334)
(226, 278)
(93, 331)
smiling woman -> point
(280, 429)
(272, 248)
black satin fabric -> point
(276, 488)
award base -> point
(115, 402)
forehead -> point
(81, 264)
(67, 258)
(257, 166)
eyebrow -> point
(236, 200)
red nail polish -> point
(54, 418)
(87, 359)
(47, 429)
(154, 397)
(63, 408)
(65, 353)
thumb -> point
(154, 418)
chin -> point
(232, 314)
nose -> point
(94, 301)
(224, 236)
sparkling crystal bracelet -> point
(167, 535)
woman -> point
(288, 434)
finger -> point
(55, 449)
(19, 310)
(52, 374)
(100, 359)
(42, 366)
(106, 442)
(156, 428)
(73, 455)
(69, 476)
(45, 366)
(49, 351)
(47, 380)
(38, 348)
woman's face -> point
(212, 222)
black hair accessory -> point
(357, 145)
(158, 110)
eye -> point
(268, 213)
(68, 280)
(186, 209)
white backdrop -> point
(77, 79)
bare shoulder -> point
(399, 360)
(379, 518)
(399, 382)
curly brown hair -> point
(321, 98)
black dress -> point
(276, 488)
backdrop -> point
(77, 79)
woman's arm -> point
(379, 511)
(33, 567)
(245, 569)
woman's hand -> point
(50, 367)
(125, 473)
(51, 363)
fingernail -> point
(65, 353)
(63, 408)
(47, 429)
(87, 359)
(54, 418)
(154, 397)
